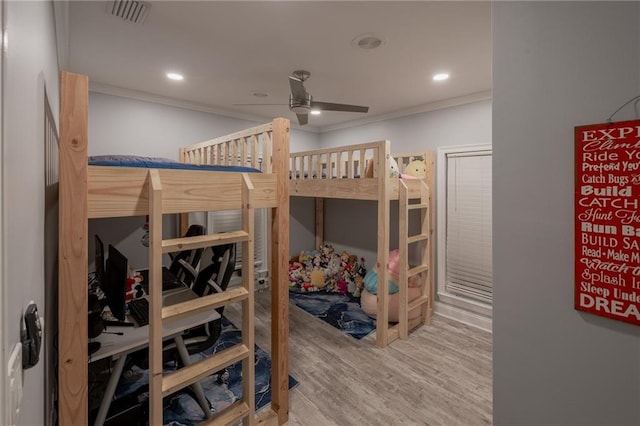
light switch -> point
(14, 379)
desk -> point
(135, 338)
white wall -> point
(352, 225)
(30, 66)
(468, 124)
(119, 125)
(556, 65)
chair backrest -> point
(214, 278)
(185, 264)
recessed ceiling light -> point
(315, 112)
(175, 76)
(368, 41)
(259, 94)
(441, 77)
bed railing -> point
(247, 148)
(344, 162)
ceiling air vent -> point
(129, 10)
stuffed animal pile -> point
(326, 270)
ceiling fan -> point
(301, 102)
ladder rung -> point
(229, 415)
(417, 302)
(204, 303)
(416, 238)
(417, 270)
(415, 322)
(418, 206)
(203, 368)
(201, 241)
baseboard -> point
(261, 280)
(466, 317)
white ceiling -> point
(227, 50)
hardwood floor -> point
(441, 375)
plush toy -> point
(415, 169)
(394, 170)
(368, 299)
(304, 257)
(326, 250)
(359, 283)
(344, 258)
(317, 279)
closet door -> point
(465, 266)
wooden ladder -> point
(423, 269)
(161, 385)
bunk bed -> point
(363, 172)
(88, 191)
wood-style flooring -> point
(441, 375)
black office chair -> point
(184, 264)
(212, 279)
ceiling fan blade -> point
(257, 104)
(297, 89)
(328, 106)
(303, 119)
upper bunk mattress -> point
(161, 163)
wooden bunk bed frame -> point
(97, 192)
(341, 173)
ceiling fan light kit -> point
(300, 106)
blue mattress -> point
(160, 163)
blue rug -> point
(341, 311)
(181, 409)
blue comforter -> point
(160, 163)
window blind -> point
(469, 267)
(231, 220)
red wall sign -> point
(607, 222)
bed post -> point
(382, 265)
(279, 278)
(73, 251)
(183, 218)
(319, 222)
(431, 168)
